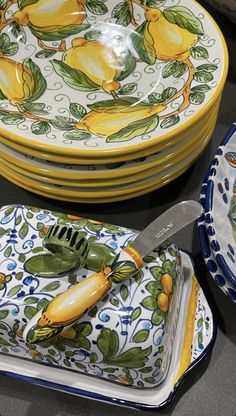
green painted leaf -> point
(158, 363)
(135, 314)
(3, 4)
(152, 4)
(30, 300)
(23, 230)
(201, 88)
(145, 51)
(84, 329)
(200, 338)
(156, 272)
(40, 127)
(124, 292)
(58, 33)
(184, 18)
(119, 104)
(18, 219)
(94, 227)
(141, 336)
(22, 258)
(122, 14)
(93, 357)
(203, 76)
(80, 366)
(109, 370)
(157, 317)
(73, 77)
(9, 211)
(96, 6)
(150, 380)
(207, 67)
(169, 93)
(153, 287)
(128, 89)
(146, 370)
(3, 326)
(35, 108)
(4, 42)
(149, 259)
(12, 49)
(51, 287)
(42, 303)
(93, 35)
(30, 311)
(138, 276)
(77, 110)
(132, 358)
(4, 342)
(170, 121)
(18, 32)
(149, 303)
(13, 119)
(76, 135)
(200, 322)
(40, 84)
(196, 98)
(137, 128)
(207, 325)
(155, 98)
(175, 69)
(8, 251)
(162, 255)
(168, 266)
(114, 302)
(123, 270)
(199, 52)
(108, 344)
(12, 292)
(2, 231)
(3, 313)
(93, 312)
(63, 123)
(46, 53)
(19, 275)
(24, 3)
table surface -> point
(210, 389)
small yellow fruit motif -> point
(163, 302)
(19, 333)
(67, 307)
(167, 284)
(69, 333)
(33, 353)
(2, 277)
(96, 60)
(107, 123)
(48, 14)
(16, 81)
(123, 379)
(170, 41)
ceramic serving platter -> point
(165, 65)
(96, 192)
(220, 206)
(60, 362)
(91, 180)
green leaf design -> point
(149, 259)
(152, 4)
(3, 313)
(8, 251)
(9, 211)
(157, 317)
(2, 231)
(96, 6)
(207, 67)
(156, 272)
(30, 300)
(123, 270)
(40, 127)
(60, 33)
(119, 104)
(153, 287)
(108, 344)
(184, 18)
(77, 110)
(4, 342)
(201, 88)
(169, 93)
(150, 380)
(77, 135)
(141, 336)
(197, 98)
(128, 89)
(168, 266)
(22, 258)
(63, 123)
(200, 322)
(42, 303)
(18, 32)
(124, 292)
(176, 69)
(40, 84)
(3, 4)
(73, 77)
(14, 291)
(46, 53)
(94, 227)
(18, 219)
(23, 230)
(170, 121)
(146, 52)
(149, 303)
(93, 35)
(35, 108)
(24, 3)
(115, 302)
(12, 49)
(155, 98)
(51, 287)
(13, 119)
(200, 338)
(93, 357)
(199, 52)
(137, 128)
(135, 314)
(30, 311)
(122, 14)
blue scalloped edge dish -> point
(207, 201)
(93, 388)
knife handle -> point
(69, 306)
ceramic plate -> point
(91, 181)
(165, 65)
(220, 206)
(112, 191)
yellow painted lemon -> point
(166, 282)
(96, 60)
(169, 41)
(163, 302)
(46, 14)
(16, 80)
(107, 123)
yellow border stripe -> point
(186, 354)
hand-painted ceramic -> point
(214, 269)
(17, 166)
(227, 7)
(220, 206)
(131, 348)
(165, 65)
(112, 191)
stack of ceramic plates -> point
(109, 100)
(217, 226)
